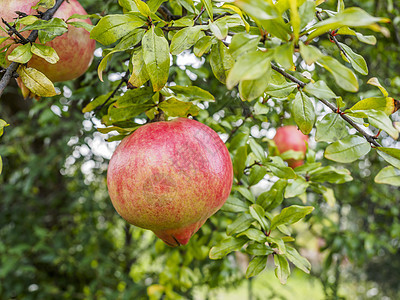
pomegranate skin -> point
(290, 138)
(74, 48)
(170, 177)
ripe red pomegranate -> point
(290, 138)
(170, 177)
(74, 48)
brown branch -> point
(199, 15)
(16, 32)
(124, 79)
(302, 84)
(12, 68)
(333, 38)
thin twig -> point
(123, 80)
(203, 9)
(9, 74)
(16, 32)
(333, 38)
(302, 84)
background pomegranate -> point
(290, 138)
(74, 48)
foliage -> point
(254, 66)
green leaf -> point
(245, 192)
(45, 4)
(48, 30)
(139, 74)
(239, 161)
(329, 196)
(235, 205)
(221, 61)
(256, 266)
(283, 55)
(277, 243)
(253, 89)
(310, 53)
(299, 261)
(290, 215)
(257, 173)
(219, 29)
(45, 52)
(143, 8)
(156, 57)
(303, 112)
(254, 235)
(135, 96)
(258, 9)
(274, 197)
(385, 104)
(378, 119)
(258, 213)
(2, 125)
(155, 4)
(344, 77)
(250, 66)
(331, 128)
(175, 108)
(127, 113)
(130, 40)
(185, 38)
(81, 24)
(242, 43)
(356, 60)
(260, 109)
(280, 90)
(330, 174)
(36, 82)
(352, 17)
(375, 82)
(226, 246)
(391, 155)
(113, 27)
(282, 270)
(348, 149)
(239, 224)
(319, 90)
(257, 150)
(203, 45)
(191, 93)
(279, 168)
(388, 175)
(296, 187)
(208, 5)
(21, 54)
(259, 249)
(307, 12)
(96, 102)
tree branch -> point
(203, 9)
(12, 68)
(16, 32)
(123, 80)
(302, 84)
(333, 38)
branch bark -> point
(12, 68)
(302, 84)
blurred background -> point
(60, 237)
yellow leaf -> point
(36, 82)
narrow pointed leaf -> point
(156, 58)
